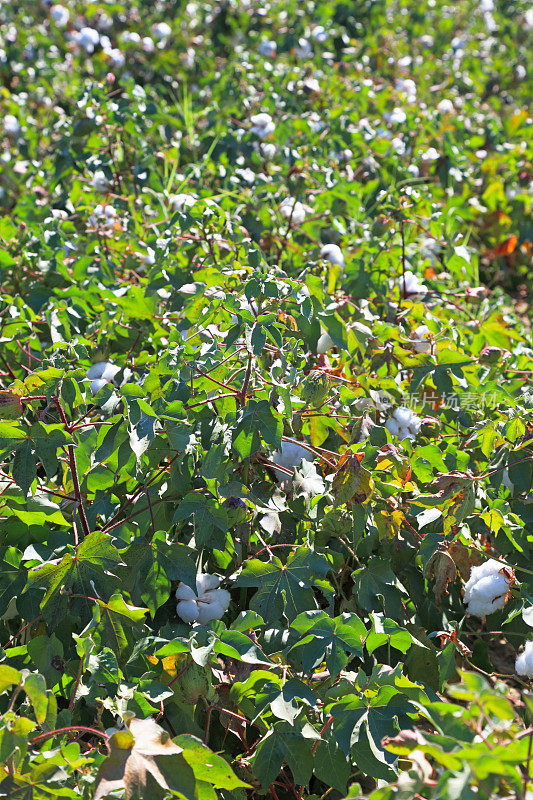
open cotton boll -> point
(100, 182)
(208, 603)
(267, 48)
(333, 254)
(293, 210)
(524, 662)
(188, 610)
(392, 426)
(410, 286)
(102, 369)
(96, 385)
(402, 415)
(181, 201)
(291, 455)
(60, 15)
(206, 583)
(262, 125)
(213, 605)
(487, 588)
(445, 106)
(396, 117)
(420, 341)
(11, 125)
(325, 343)
(161, 30)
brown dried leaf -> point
(146, 763)
(441, 567)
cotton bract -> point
(209, 602)
(487, 588)
(524, 662)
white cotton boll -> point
(161, 30)
(181, 201)
(100, 182)
(392, 426)
(488, 595)
(205, 583)
(524, 662)
(188, 611)
(184, 592)
(102, 369)
(319, 33)
(117, 57)
(60, 15)
(213, 605)
(267, 48)
(11, 125)
(262, 125)
(405, 433)
(413, 170)
(291, 455)
(303, 49)
(333, 254)
(293, 210)
(487, 588)
(398, 145)
(445, 106)
(396, 117)
(427, 40)
(415, 425)
(148, 44)
(430, 155)
(88, 38)
(420, 340)
(325, 343)
(96, 385)
(267, 150)
(528, 17)
(402, 415)
(410, 285)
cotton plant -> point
(403, 423)
(208, 603)
(488, 587)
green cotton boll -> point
(315, 388)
